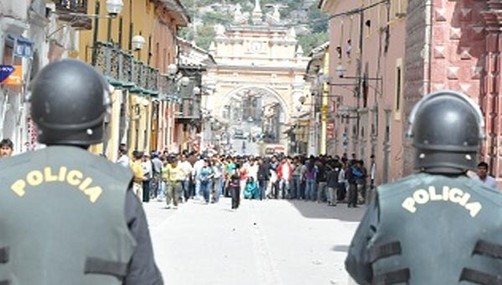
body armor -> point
(62, 219)
(435, 229)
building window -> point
(399, 89)
(398, 8)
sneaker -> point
(175, 207)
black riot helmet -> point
(446, 129)
(69, 102)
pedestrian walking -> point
(235, 189)
(206, 179)
(147, 166)
(69, 216)
(174, 175)
(139, 174)
(437, 226)
(263, 176)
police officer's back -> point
(66, 215)
(437, 226)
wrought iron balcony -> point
(68, 10)
(189, 109)
(121, 69)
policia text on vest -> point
(452, 195)
(73, 177)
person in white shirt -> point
(483, 177)
(195, 174)
(123, 158)
(252, 169)
(185, 176)
(148, 171)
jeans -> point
(284, 188)
(295, 189)
(310, 190)
(332, 195)
(205, 189)
(162, 191)
(216, 188)
(197, 188)
(321, 191)
(263, 188)
(185, 191)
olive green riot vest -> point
(437, 230)
(62, 219)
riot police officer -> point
(68, 216)
(437, 226)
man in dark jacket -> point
(263, 176)
(437, 226)
(70, 217)
(332, 182)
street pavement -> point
(263, 242)
(250, 148)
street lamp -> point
(114, 7)
(175, 81)
(138, 42)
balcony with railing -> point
(189, 109)
(74, 11)
(122, 70)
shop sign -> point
(330, 130)
(5, 71)
(23, 48)
(16, 78)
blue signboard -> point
(5, 71)
(24, 47)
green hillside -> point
(310, 23)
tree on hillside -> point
(317, 22)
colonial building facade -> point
(31, 35)
(456, 45)
(401, 51)
(134, 50)
(259, 65)
(365, 82)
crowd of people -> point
(176, 178)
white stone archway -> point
(260, 91)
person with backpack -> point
(353, 174)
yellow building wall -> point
(143, 18)
(325, 107)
